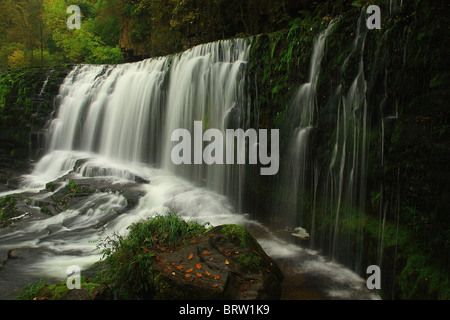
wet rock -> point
(12, 254)
(224, 263)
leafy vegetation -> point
(35, 33)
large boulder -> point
(225, 262)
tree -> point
(85, 44)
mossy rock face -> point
(225, 262)
(8, 210)
(26, 105)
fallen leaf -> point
(226, 262)
(169, 268)
(207, 273)
(199, 275)
(211, 259)
(190, 270)
(230, 252)
(179, 267)
(187, 275)
(216, 277)
(191, 256)
(206, 253)
(215, 285)
(198, 265)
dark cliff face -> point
(162, 27)
(397, 216)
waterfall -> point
(343, 192)
(114, 122)
(304, 106)
(209, 84)
(334, 190)
(128, 112)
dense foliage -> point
(35, 33)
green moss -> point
(421, 280)
(44, 290)
(7, 210)
(236, 233)
(46, 211)
(250, 260)
(50, 186)
(32, 291)
(72, 187)
(24, 109)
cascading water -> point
(209, 84)
(114, 124)
(337, 186)
(129, 112)
(347, 171)
(304, 106)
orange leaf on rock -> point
(191, 256)
(207, 273)
(216, 277)
(199, 275)
(187, 275)
(206, 253)
(215, 285)
(198, 265)
(226, 262)
(179, 267)
(190, 270)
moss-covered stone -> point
(172, 259)
(7, 210)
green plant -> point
(32, 291)
(71, 187)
